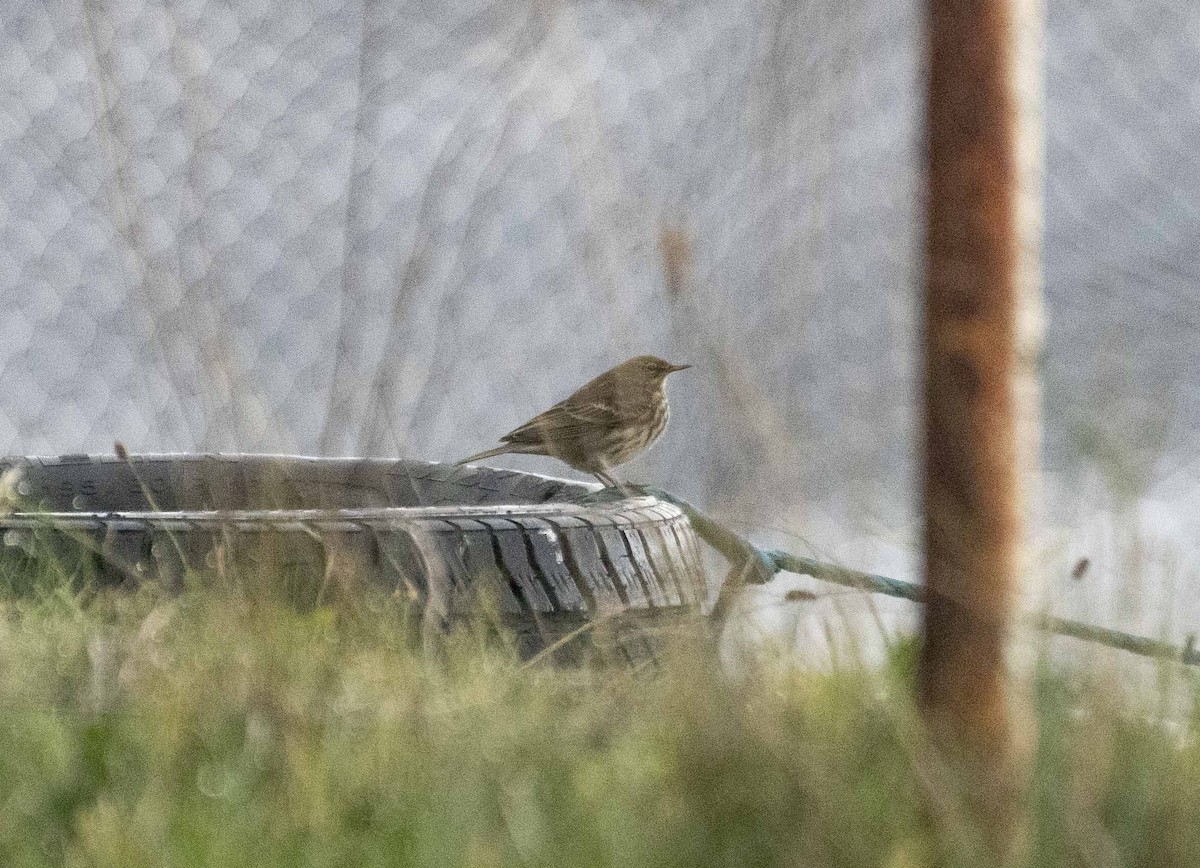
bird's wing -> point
(564, 421)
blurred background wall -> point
(402, 228)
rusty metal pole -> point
(977, 282)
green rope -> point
(757, 566)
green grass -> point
(221, 727)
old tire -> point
(548, 558)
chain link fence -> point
(402, 228)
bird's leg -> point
(604, 473)
(605, 478)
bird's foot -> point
(629, 489)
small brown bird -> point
(606, 422)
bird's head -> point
(652, 367)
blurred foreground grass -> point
(225, 728)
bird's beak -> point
(675, 368)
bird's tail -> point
(499, 450)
